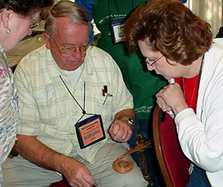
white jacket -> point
(201, 134)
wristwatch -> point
(131, 122)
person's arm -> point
(88, 6)
(33, 149)
(126, 114)
(7, 119)
(121, 127)
(171, 98)
(200, 138)
(28, 145)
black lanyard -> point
(82, 108)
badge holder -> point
(90, 131)
(118, 31)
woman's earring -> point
(8, 31)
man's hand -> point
(75, 173)
(120, 130)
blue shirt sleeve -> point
(87, 5)
(183, 1)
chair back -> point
(173, 164)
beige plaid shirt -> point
(49, 112)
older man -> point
(72, 99)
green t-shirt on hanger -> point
(141, 83)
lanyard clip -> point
(105, 90)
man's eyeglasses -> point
(151, 62)
(70, 49)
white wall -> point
(209, 10)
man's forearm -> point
(125, 114)
(33, 150)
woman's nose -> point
(150, 67)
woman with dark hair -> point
(16, 20)
(178, 45)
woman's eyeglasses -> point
(151, 62)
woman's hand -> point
(171, 98)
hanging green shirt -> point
(142, 83)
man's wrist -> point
(129, 120)
(59, 161)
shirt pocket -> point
(54, 104)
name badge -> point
(90, 131)
(117, 29)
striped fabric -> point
(8, 108)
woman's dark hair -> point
(24, 7)
(171, 28)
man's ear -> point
(46, 39)
(5, 17)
